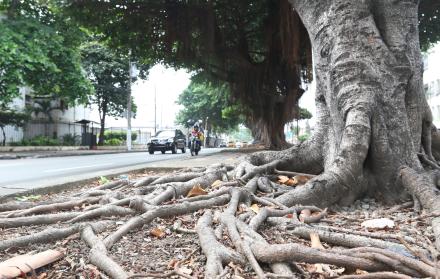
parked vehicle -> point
(196, 144)
(167, 140)
(223, 144)
(238, 144)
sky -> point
(168, 84)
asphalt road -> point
(25, 174)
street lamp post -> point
(130, 76)
(206, 131)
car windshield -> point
(165, 134)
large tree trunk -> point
(373, 116)
(269, 133)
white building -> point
(431, 81)
(62, 120)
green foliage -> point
(304, 137)
(103, 180)
(205, 99)
(44, 141)
(113, 142)
(241, 134)
(70, 140)
(10, 117)
(40, 49)
(304, 113)
(259, 48)
(120, 135)
(38, 141)
(28, 198)
(429, 23)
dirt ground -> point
(143, 251)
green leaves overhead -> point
(39, 49)
(429, 23)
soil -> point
(140, 251)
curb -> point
(28, 156)
(56, 188)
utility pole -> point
(206, 131)
(155, 109)
(130, 74)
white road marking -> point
(81, 167)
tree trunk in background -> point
(4, 136)
(102, 130)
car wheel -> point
(163, 151)
(174, 149)
(151, 151)
(183, 149)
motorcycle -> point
(196, 144)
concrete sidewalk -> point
(60, 153)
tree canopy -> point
(259, 48)
(202, 100)
(40, 49)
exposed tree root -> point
(426, 192)
(236, 240)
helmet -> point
(196, 126)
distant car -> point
(231, 144)
(238, 144)
(223, 144)
(167, 140)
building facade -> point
(431, 81)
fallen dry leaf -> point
(301, 179)
(360, 271)
(316, 242)
(304, 214)
(157, 232)
(216, 184)
(196, 191)
(255, 208)
(283, 179)
(185, 270)
(292, 182)
(172, 263)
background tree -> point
(108, 72)
(39, 49)
(203, 100)
(260, 48)
(9, 117)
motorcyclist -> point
(197, 133)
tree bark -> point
(102, 114)
(372, 115)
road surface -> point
(25, 174)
